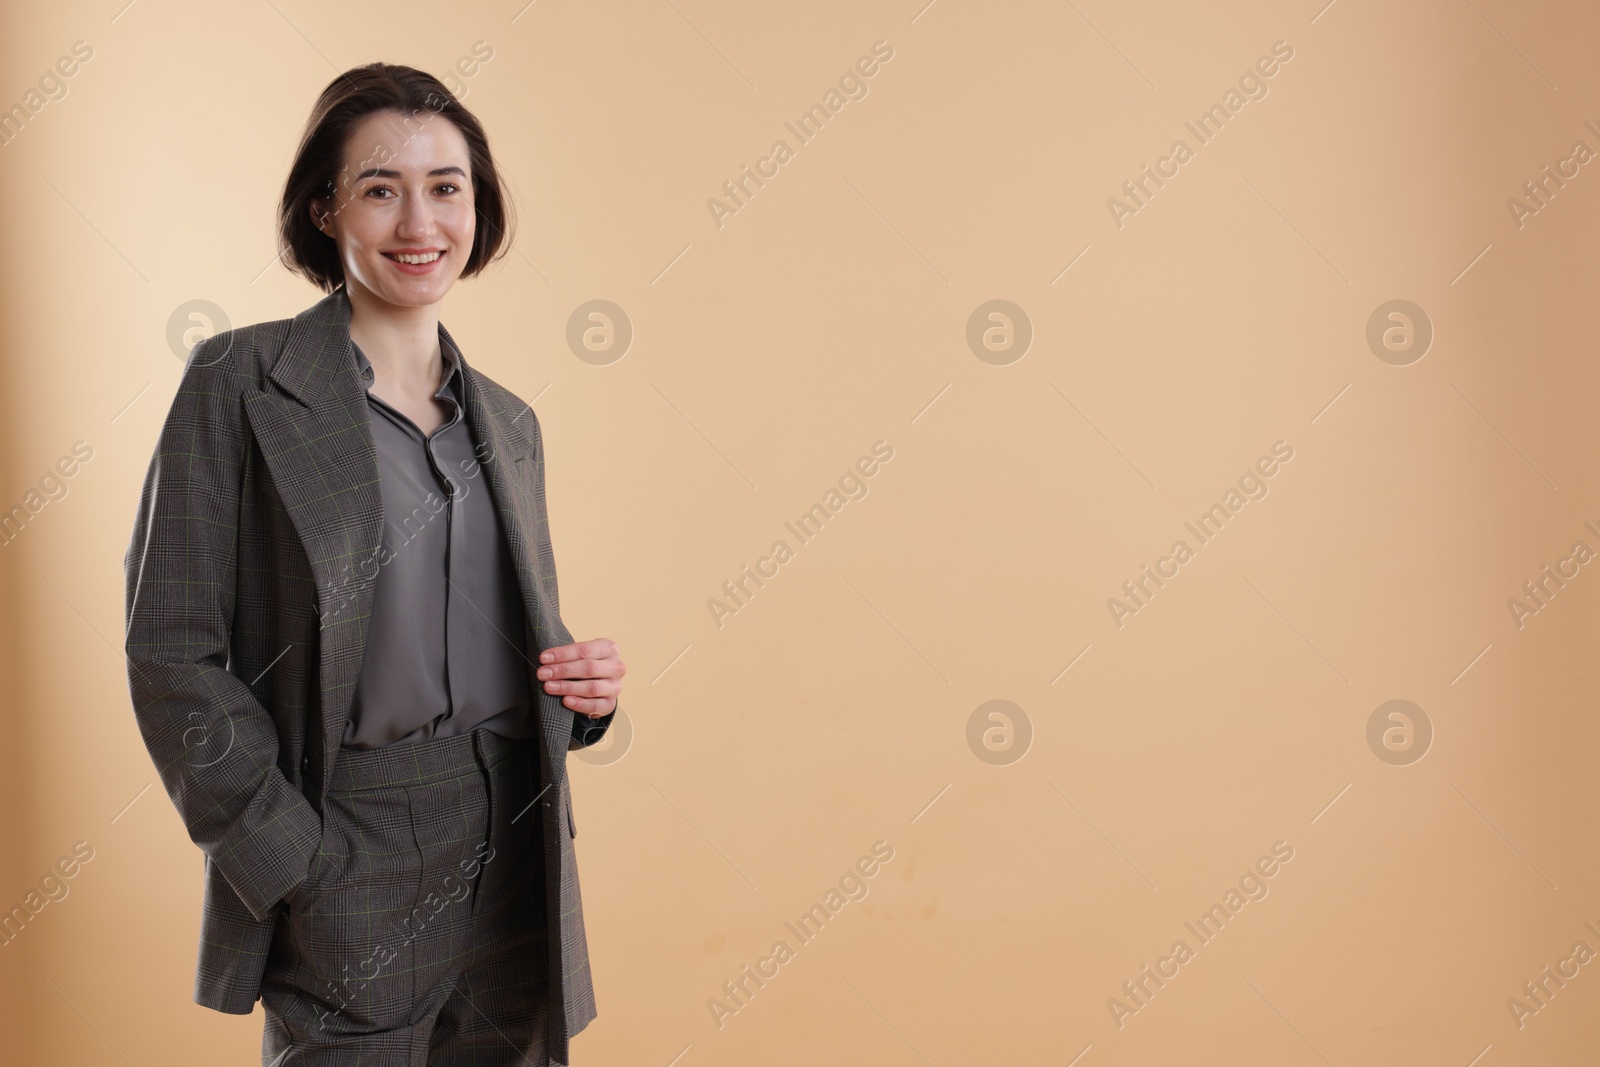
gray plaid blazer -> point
(250, 579)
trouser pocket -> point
(327, 862)
(354, 963)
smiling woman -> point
(390, 724)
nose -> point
(416, 218)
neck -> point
(401, 341)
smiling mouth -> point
(415, 260)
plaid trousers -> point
(418, 937)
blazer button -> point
(305, 763)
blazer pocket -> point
(572, 828)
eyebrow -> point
(384, 172)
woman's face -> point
(404, 194)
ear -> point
(320, 216)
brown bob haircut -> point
(419, 97)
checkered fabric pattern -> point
(417, 936)
(250, 577)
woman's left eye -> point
(451, 186)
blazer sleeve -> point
(238, 806)
(585, 731)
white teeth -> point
(429, 258)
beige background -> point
(829, 313)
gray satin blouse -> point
(444, 651)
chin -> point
(423, 291)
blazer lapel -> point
(317, 443)
(505, 450)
